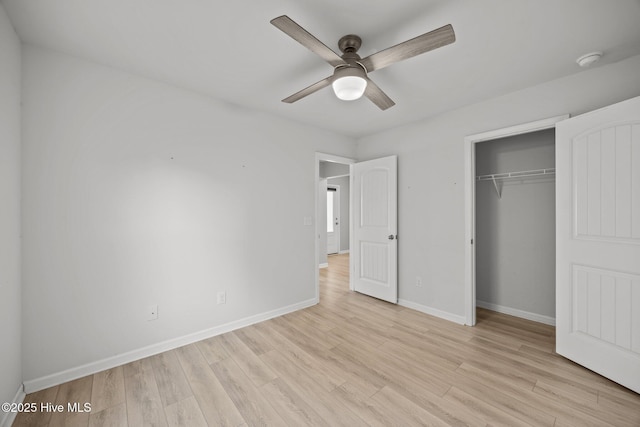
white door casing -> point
(470, 199)
(598, 241)
(374, 212)
(322, 221)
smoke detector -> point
(589, 59)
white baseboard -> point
(323, 265)
(121, 359)
(346, 251)
(547, 320)
(8, 417)
(433, 311)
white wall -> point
(138, 193)
(10, 316)
(516, 233)
(329, 169)
(431, 173)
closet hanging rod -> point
(518, 174)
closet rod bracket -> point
(495, 184)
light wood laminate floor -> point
(352, 361)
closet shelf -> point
(513, 175)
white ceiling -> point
(229, 50)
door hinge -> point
(472, 241)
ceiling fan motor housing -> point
(349, 70)
(349, 43)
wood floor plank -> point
(395, 370)
(549, 404)
(582, 401)
(249, 363)
(575, 371)
(214, 402)
(625, 407)
(299, 337)
(351, 333)
(254, 407)
(144, 406)
(172, 384)
(38, 418)
(113, 416)
(254, 340)
(331, 409)
(313, 335)
(494, 396)
(331, 313)
(573, 392)
(76, 391)
(185, 413)
(137, 367)
(323, 374)
(212, 349)
(492, 415)
(323, 323)
(447, 411)
(520, 323)
(399, 347)
(108, 389)
(362, 406)
(73, 419)
(294, 410)
(403, 410)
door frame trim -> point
(325, 158)
(470, 142)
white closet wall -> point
(515, 227)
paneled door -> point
(598, 241)
(375, 240)
(333, 219)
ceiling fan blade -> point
(377, 96)
(308, 90)
(416, 46)
(302, 36)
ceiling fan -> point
(349, 79)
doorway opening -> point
(508, 171)
(333, 230)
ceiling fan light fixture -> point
(349, 88)
(349, 83)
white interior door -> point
(375, 242)
(598, 241)
(333, 219)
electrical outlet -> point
(418, 281)
(152, 312)
(222, 297)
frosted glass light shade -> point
(349, 88)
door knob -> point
(391, 237)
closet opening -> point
(515, 226)
(511, 222)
